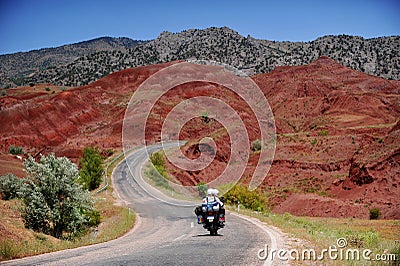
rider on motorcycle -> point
(212, 197)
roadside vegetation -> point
(91, 172)
(380, 236)
(253, 200)
(15, 150)
(33, 224)
(157, 173)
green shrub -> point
(371, 238)
(4, 93)
(10, 186)
(314, 141)
(323, 132)
(374, 214)
(15, 150)
(158, 172)
(202, 189)
(93, 217)
(248, 199)
(54, 203)
(256, 145)
(47, 89)
(157, 160)
(91, 172)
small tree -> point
(91, 171)
(202, 189)
(54, 202)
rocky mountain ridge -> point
(15, 69)
(376, 56)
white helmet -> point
(216, 192)
(212, 192)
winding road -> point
(166, 233)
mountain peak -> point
(326, 62)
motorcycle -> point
(212, 216)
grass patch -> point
(157, 172)
(155, 179)
(380, 236)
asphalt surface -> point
(166, 233)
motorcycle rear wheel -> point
(213, 231)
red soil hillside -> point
(65, 121)
(325, 114)
(335, 129)
(337, 151)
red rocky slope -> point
(337, 151)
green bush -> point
(374, 214)
(4, 93)
(10, 186)
(91, 169)
(314, 141)
(256, 145)
(54, 203)
(15, 150)
(157, 160)
(93, 217)
(202, 189)
(249, 199)
(323, 132)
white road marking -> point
(267, 230)
(179, 237)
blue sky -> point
(27, 25)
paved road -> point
(165, 233)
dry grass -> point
(380, 236)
